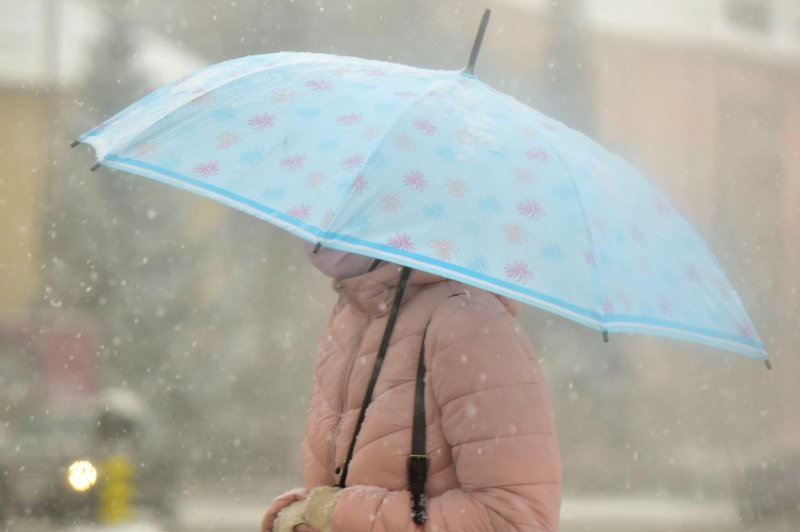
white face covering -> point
(338, 264)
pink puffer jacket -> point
(494, 462)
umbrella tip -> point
(605, 336)
(74, 143)
(317, 248)
(95, 167)
(768, 364)
(476, 46)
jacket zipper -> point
(333, 469)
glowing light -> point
(81, 475)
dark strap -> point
(376, 369)
(418, 460)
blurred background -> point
(128, 308)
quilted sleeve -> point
(495, 415)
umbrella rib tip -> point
(95, 167)
(74, 143)
(317, 248)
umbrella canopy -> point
(437, 171)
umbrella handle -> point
(476, 46)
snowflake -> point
(515, 234)
(375, 72)
(401, 241)
(524, 175)
(405, 94)
(349, 119)
(538, 155)
(456, 187)
(352, 162)
(391, 202)
(226, 139)
(315, 179)
(359, 184)
(415, 180)
(301, 212)
(444, 248)
(319, 85)
(209, 169)
(518, 271)
(531, 209)
(426, 126)
(291, 163)
(404, 142)
(261, 122)
(588, 257)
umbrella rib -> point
(595, 268)
(327, 232)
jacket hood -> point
(373, 293)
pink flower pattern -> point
(349, 119)
(359, 184)
(457, 188)
(315, 179)
(444, 248)
(391, 202)
(608, 305)
(404, 142)
(301, 212)
(425, 126)
(352, 162)
(445, 197)
(538, 155)
(145, 148)
(514, 234)
(290, 163)
(402, 241)
(530, 209)
(319, 85)
(261, 122)
(226, 139)
(524, 175)
(209, 169)
(415, 180)
(518, 271)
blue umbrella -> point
(437, 171)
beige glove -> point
(289, 517)
(319, 506)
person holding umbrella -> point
(428, 407)
(487, 456)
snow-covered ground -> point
(580, 514)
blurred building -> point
(45, 56)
